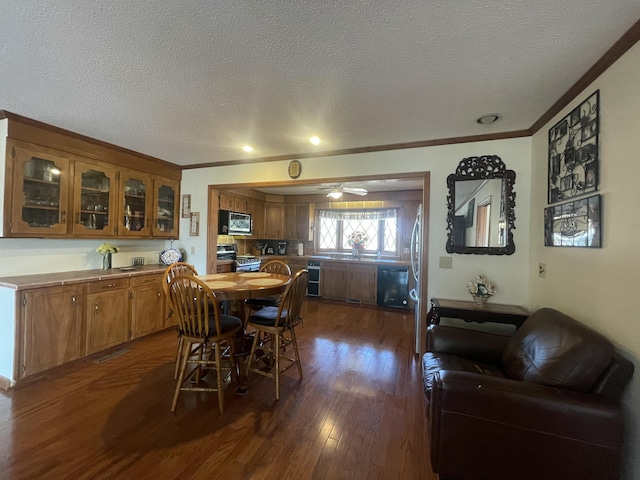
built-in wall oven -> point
(313, 287)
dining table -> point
(236, 287)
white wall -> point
(597, 286)
(509, 273)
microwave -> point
(234, 223)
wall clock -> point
(295, 169)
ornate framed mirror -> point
(480, 207)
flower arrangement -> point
(358, 239)
(481, 289)
(107, 248)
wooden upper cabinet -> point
(274, 220)
(40, 200)
(226, 201)
(239, 205)
(166, 201)
(233, 203)
(94, 199)
(409, 212)
(136, 198)
(256, 209)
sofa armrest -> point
(480, 346)
(521, 430)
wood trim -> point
(374, 148)
(628, 40)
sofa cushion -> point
(553, 349)
(434, 362)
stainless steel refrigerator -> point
(414, 294)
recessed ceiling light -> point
(247, 148)
(315, 140)
(489, 118)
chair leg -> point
(178, 356)
(183, 369)
(252, 353)
(294, 341)
(276, 353)
(219, 378)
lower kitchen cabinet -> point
(296, 265)
(333, 280)
(362, 283)
(107, 314)
(147, 305)
(52, 335)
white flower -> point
(107, 248)
(481, 286)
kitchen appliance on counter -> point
(234, 223)
(270, 247)
(282, 248)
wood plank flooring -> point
(356, 414)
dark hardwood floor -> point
(356, 414)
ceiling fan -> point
(336, 191)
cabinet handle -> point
(110, 285)
(159, 295)
(64, 216)
(73, 300)
(95, 308)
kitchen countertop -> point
(24, 282)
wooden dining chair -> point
(271, 325)
(200, 322)
(172, 271)
(273, 266)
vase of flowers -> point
(357, 241)
(106, 249)
(481, 290)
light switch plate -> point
(446, 262)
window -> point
(378, 225)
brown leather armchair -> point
(543, 404)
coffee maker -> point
(282, 248)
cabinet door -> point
(274, 220)
(362, 283)
(52, 328)
(302, 222)
(41, 179)
(296, 265)
(226, 202)
(256, 209)
(94, 202)
(147, 305)
(409, 212)
(107, 320)
(290, 232)
(166, 195)
(333, 280)
(240, 204)
(135, 203)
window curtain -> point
(368, 214)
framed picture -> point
(186, 205)
(194, 224)
(573, 224)
(573, 152)
(470, 210)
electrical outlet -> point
(137, 261)
(542, 270)
(446, 262)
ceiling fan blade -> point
(355, 191)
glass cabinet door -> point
(94, 202)
(40, 192)
(166, 201)
(135, 217)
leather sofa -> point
(542, 404)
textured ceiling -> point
(191, 81)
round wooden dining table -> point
(245, 285)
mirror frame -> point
(478, 168)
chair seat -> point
(227, 323)
(272, 301)
(267, 316)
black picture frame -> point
(573, 145)
(574, 224)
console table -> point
(470, 312)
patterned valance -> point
(364, 214)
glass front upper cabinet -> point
(135, 218)
(166, 201)
(94, 202)
(40, 192)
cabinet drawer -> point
(147, 280)
(107, 285)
